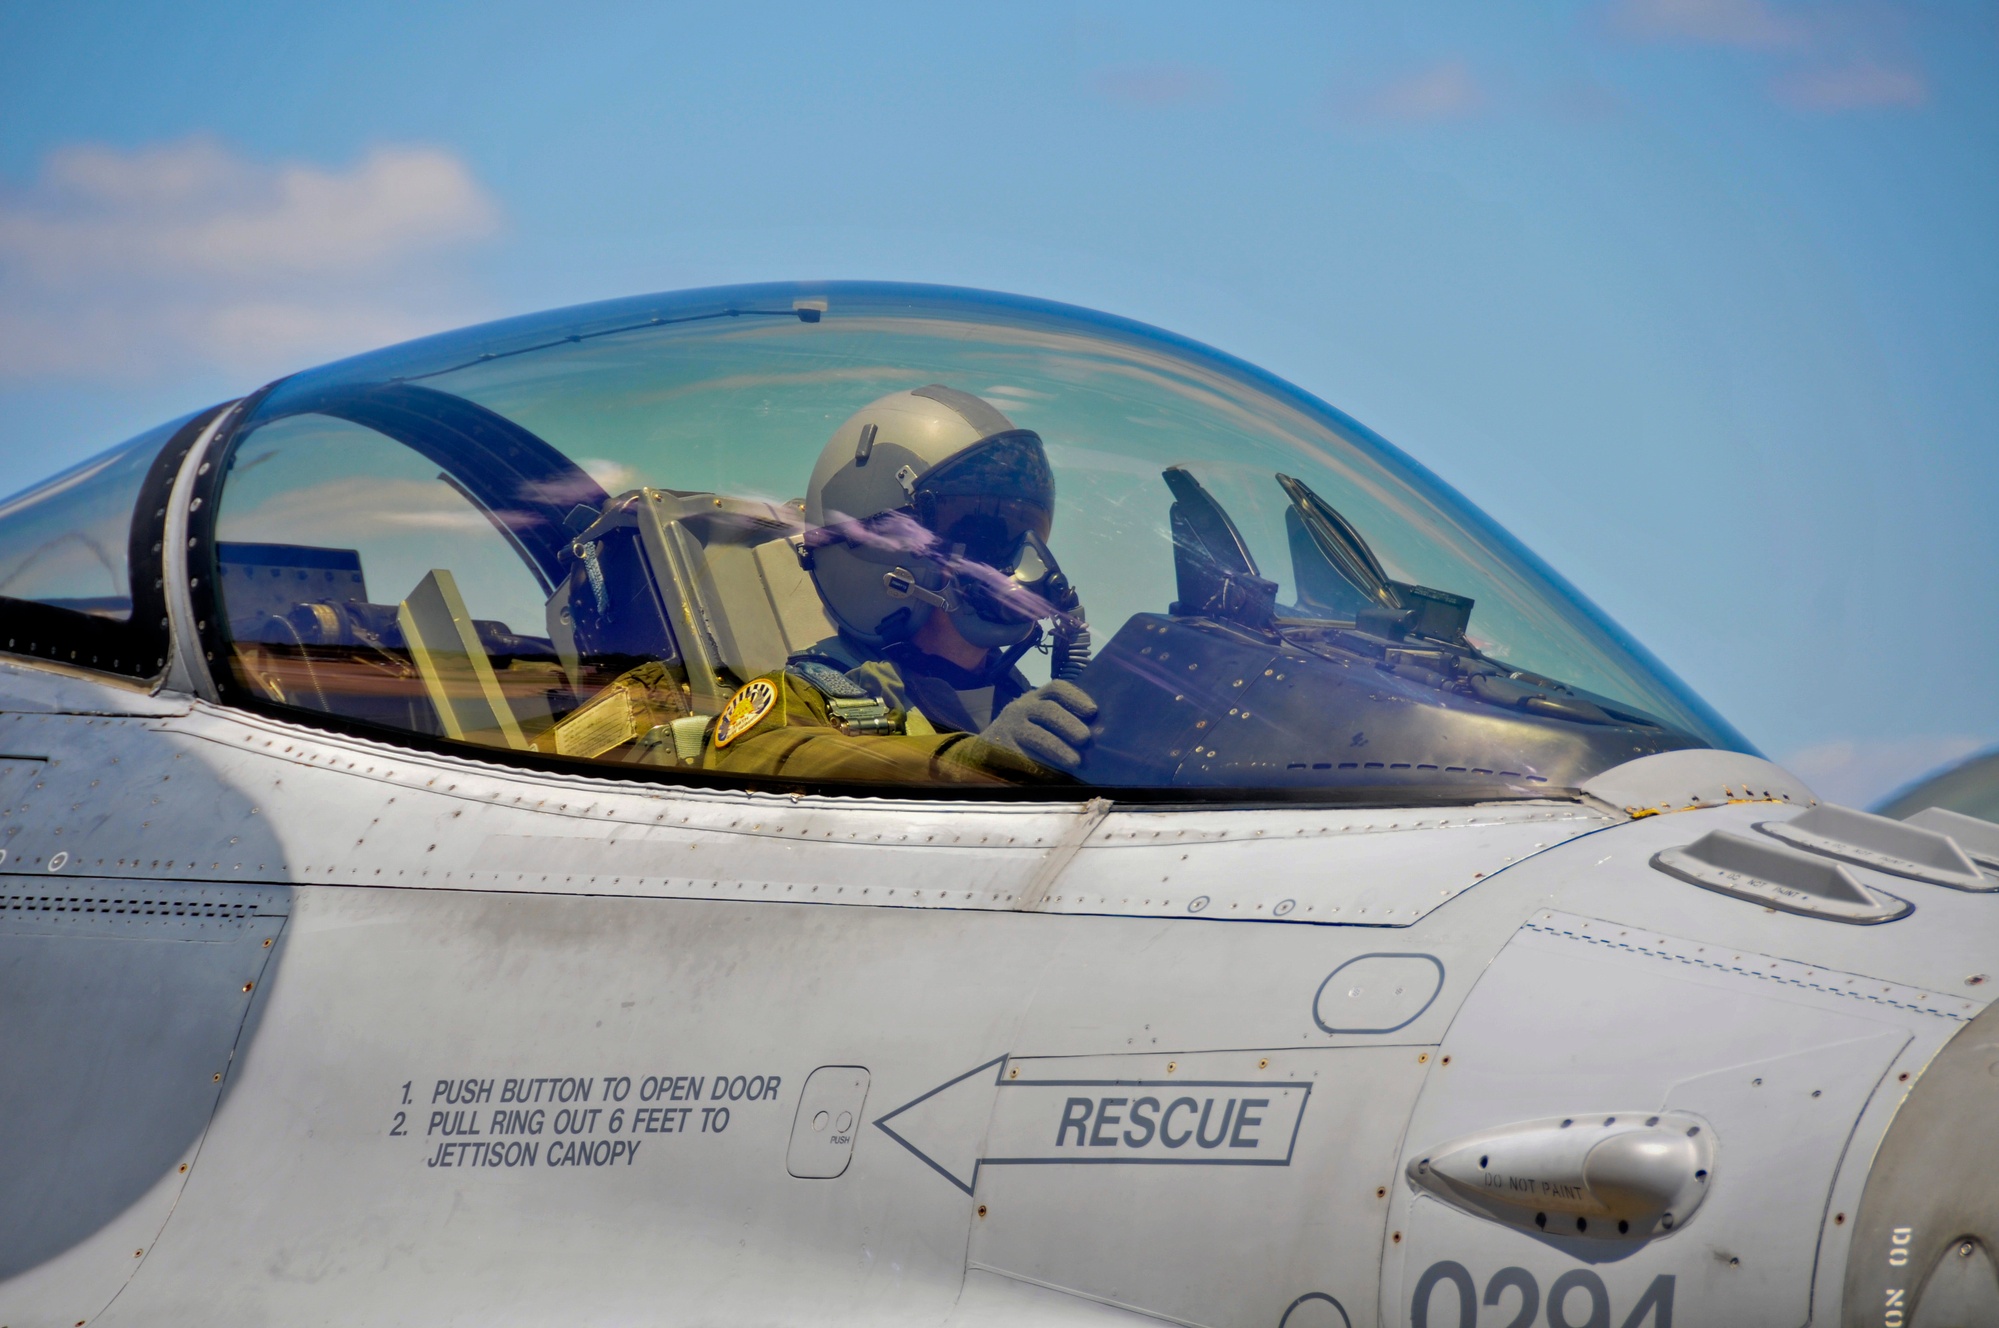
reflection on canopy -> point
(1285, 602)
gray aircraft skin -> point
(343, 981)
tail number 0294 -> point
(1577, 1299)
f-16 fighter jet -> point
(871, 804)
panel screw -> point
(1422, 1058)
(1902, 1078)
(218, 1077)
(1396, 1238)
(1381, 1191)
(1445, 1061)
(267, 942)
(982, 1210)
(1263, 1064)
(1014, 1073)
(183, 1167)
(1171, 1066)
(1839, 1219)
(248, 985)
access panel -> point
(121, 1005)
(829, 1113)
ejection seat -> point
(720, 579)
(673, 599)
(711, 585)
(660, 602)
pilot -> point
(927, 514)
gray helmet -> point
(924, 501)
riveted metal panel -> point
(123, 1003)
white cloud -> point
(1445, 91)
(1863, 85)
(1860, 772)
(611, 476)
(1744, 23)
(1840, 57)
(115, 264)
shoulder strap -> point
(839, 650)
(827, 679)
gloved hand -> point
(1049, 726)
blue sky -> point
(1699, 297)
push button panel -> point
(829, 1115)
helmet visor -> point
(990, 497)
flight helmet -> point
(930, 501)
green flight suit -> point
(867, 724)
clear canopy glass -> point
(585, 535)
(63, 542)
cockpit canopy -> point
(574, 536)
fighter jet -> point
(881, 804)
